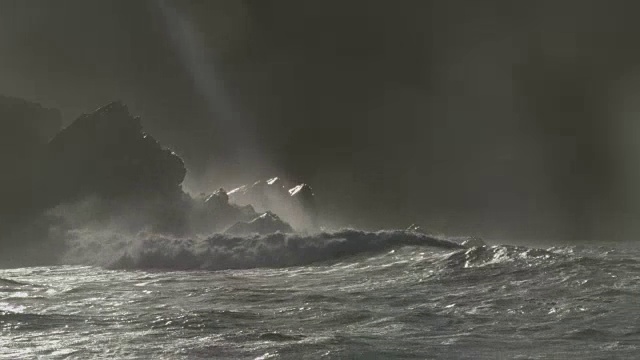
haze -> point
(512, 121)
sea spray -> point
(222, 251)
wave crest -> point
(480, 256)
(223, 251)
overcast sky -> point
(512, 120)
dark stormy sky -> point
(506, 119)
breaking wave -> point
(482, 256)
(222, 251)
(145, 250)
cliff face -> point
(133, 182)
(103, 155)
(107, 154)
(104, 172)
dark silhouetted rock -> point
(133, 181)
(264, 195)
(218, 199)
(103, 156)
(215, 213)
(105, 153)
(267, 223)
(302, 197)
(103, 171)
(295, 204)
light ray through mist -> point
(240, 136)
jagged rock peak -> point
(218, 196)
(296, 204)
(112, 117)
(266, 216)
(276, 181)
(302, 189)
(240, 190)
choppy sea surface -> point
(398, 296)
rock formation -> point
(103, 170)
(106, 153)
(215, 213)
(296, 204)
(103, 156)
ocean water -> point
(345, 295)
